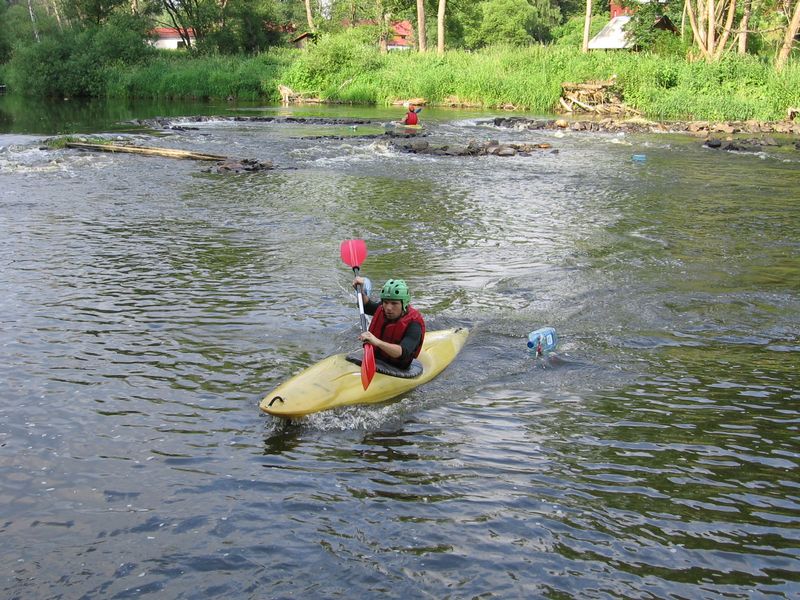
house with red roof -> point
(614, 37)
(169, 38)
(402, 36)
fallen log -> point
(169, 153)
(583, 105)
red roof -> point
(170, 32)
(399, 28)
(403, 28)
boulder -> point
(245, 165)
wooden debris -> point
(419, 101)
(596, 97)
(456, 102)
(169, 153)
(289, 96)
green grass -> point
(59, 143)
(176, 75)
(348, 68)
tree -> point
(744, 23)
(188, 16)
(587, 26)
(245, 26)
(711, 25)
(33, 21)
(5, 41)
(515, 22)
(309, 16)
(788, 38)
(440, 27)
(94, 12)
(421, 25)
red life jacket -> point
(393, 331)
(411, 118)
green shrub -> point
(76, 63)
(333, 60)
(514, 22)
(570, 33)
(39, 69)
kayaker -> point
(397, 328)
(411, 117)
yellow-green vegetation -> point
(341, 69)
(59, 143)
(347, 67)
(663, 87)
(179, 75)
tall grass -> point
(662, 87)
(204, 77)
(348, 68)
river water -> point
(147, 306)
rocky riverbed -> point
(731, 136)
(640, 125)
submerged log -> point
(169, 153)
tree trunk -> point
(726, 30)
(309, 16)
(587, 26)
(382, 19)
(440, 27)
(57, 14)
(743, 25)
(421, 25)
(788, 39)
(33, 22)
(145, 150)
(696, 24)
(712, 21)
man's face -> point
(393, 309)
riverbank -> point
(641, 125)
(340, 70)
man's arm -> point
(404, 351)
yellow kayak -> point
(335, 381)
(395, 126)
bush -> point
(514, 22)
(76, 63)
(570, 33)
(5, 39)
(333, 60)
(39, 69)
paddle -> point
(354, 252)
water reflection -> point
(148, 306)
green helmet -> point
(396, 289)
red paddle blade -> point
(354, 252)
(367, 365)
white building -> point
(168, 38)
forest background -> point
(729, 60)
